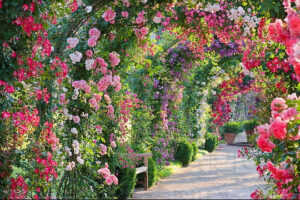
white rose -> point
(89, 9)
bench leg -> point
(146, 180)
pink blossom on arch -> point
(114, 58)
(89, 53)
(125, 14)
(105, 172)
(109, 16)
(94, 32)
(76, 119)
(92, 42)
(72, 42)
(103, 149)
(110, 111)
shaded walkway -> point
(218, 175)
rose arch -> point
(84, 85)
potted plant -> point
(230, 130)
(249, 127)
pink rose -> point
(114, 58)
(94, 32)
(101, 62)
(103, 149)
(289, 114)
(76, 119)
(109, 16)
(92, 41)
(278, 105)
(5, 115)
(124, 14)
(278, 128)
(113, 144)
(294, 24)
(263, 130)
(89, 53)
(105, 172)
(265, 144)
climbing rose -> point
(263, 130)
(89, 64)
(278, 128)
(124, 14)
(289, 114)
(114, 58)
(94, 32)
(296, 50)
(278, 105)
(105, 172)
(76, 119)
(277, 173)
(75, 57)
(265, 144)
(109, 16)
(89, 53)
(103, 149)
(92, 41)
(294, 24)
(72, 42)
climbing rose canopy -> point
(85, 85)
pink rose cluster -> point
(288, 33)
(94, 34)
(103, 65)
(114, 58)
(109, 178)
(103, 149)
(141, 18)
(108, 80)
(95, 100)
(7, 88)
(109, 16)
(281, 116)
(81, 84)
(141, 33)
(72, 42)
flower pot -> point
(249, 134)
(229, 137)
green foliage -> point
(250, 125)
(211, 142)
(127, 180)
(195, 151)
(152, 171)
(232, 127)
(184, 152)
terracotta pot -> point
(229, 137)
(248, 134)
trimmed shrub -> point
(184, 152)
(127, 180)
(152, 171)
(211, 142)
(195, 150)
(232, 127)
(250, 125)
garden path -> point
(217, 175)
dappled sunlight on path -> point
(218, 175)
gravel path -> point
(217, 175)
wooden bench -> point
(144, 169)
